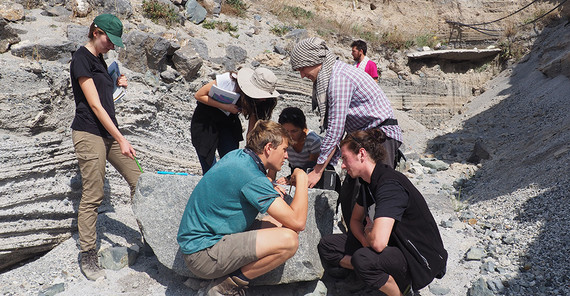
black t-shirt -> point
(85, 64)
(390, 200)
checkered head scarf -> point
(309, 52)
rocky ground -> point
(504, 221)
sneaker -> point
(89, 265)
(227, 286)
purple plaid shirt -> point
(355, 102)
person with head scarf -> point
(347, 99)
(96, 137)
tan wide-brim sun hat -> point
(258, 84)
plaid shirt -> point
(355, 102)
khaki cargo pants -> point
(92, 153)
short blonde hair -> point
(266, 131)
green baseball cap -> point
(112, 26)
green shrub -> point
(280, 30)
(426, 40)
(224, 26)
(158, 12)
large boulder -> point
(44, 49)
(187, 62)
(159, 203)
(195, 12)
(120, 8)
(11, 11)
(145, 52)
(235, 55)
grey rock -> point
(160, 200)
(116, 258)
(280, 50)
(255, 64)
(250, 32)
(236, 54)
(120, 8)
(170, 75)
(434, 163)
(53, 290)
(217, 7)
(200, 47)
(459, 182)
(446, 223)
(297, 34)
(488, 267)
(133, 56)
(438, 289)
(195, 12)
(151, 79)
(44, 49)
(509, 239)
(496, 285)
(8, 36)
(227, 63)
(157, 54)
(187, 62)
(466, 215)
(77, 34)
(57, 11)
(479, 152)
(11, 11)
(475, 253)
(145, 51)
(479, 288)
(257, 17)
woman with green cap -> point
(95, 134)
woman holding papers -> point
(96, 137)
(215, 123)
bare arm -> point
(202, 97)
(357, 226)
(293, 216)
(88, 87)
(379, 235)
(317, 172)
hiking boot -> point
(89, 265)
(227, 286)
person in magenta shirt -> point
(362, 62)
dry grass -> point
(234, 7)
(344, 29)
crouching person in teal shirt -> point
(217, 233)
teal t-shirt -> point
(226, 200)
